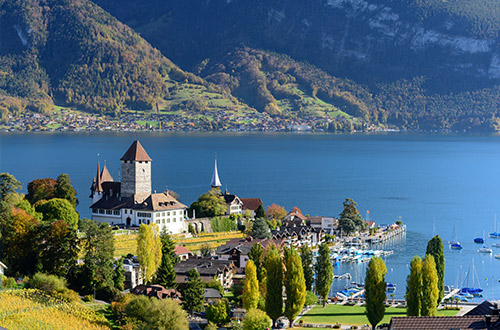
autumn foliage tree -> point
(251, 288)
(414, 287)
(375, 287)
(149, 251)
(430, 290)
(274, 270)
(295, 286)
(324, 272)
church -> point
(130, 202)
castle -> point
(130, 202)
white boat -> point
(454, 243)
(497, 256)
(497, 245)
(484, 249)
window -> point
(174, 219)
(148, 222)
(125, 211)
(109, 212)
(140, 221)
(174, 213)
(101, 211)
(168, 220)
(116, 212)
(168, 213)
(162, 220)
(162, 214)
(94, 210)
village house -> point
(294, 218)
(221, 270)
(298, 235)
(2, 268)
(251, 204)
(133, 273)
(237, 249)
(157, 291)
(183, 253)
(328, 224)
(130, 202)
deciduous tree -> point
(276, 212)
(350, 219)
(324, 272)
(255, 255)
(414, 287)
(375, 287)
(149, 250)
(217, 312)
(295, 286)
(41, 189)
(65, 190)
(435, 248)
(306, 257)
(274, 269)
(430, 291)
(8, 185)
(256, 319)
(119, 275)
(251, 289)
(210, 204)
(59, 209)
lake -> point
(437, 184)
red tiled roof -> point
(251, 203)
(105, 175)
(181, 250)
(136, 153)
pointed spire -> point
(215, 176)
(98, 186)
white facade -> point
(172, 220)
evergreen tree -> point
(430, 291)
(261, 229)
(255, 255)
(350, 219)
(8, 185)
(209, 205)
(192, 292)
(324, 272)
(307, 260)
(375, 287)
(260, 212)
(274, 269)
(295, 285)
(435, 249)
(251, 289)
(149, 250)
(414, 287)
(165, 275)
(119, 275)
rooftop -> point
(136, 152)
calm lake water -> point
(434, 182)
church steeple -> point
(215, 176)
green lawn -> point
(354, 315)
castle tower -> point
(136, 173)
(215, 176)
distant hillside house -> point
(237, 249)
(130, 202)
(294, 218)
(251, 204)
(208, 268)
(183, 253)
(328, 224)
(234, 205)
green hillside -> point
(73, 53)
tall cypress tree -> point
(435, 249)
(260, 212)
(430, 291)
(295, 285)
(324, 272)
(192, 292)
(255, 255)
(306, 257)
(414, 287)
(274, 269)
(375, 290)
(251, 289)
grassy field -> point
(33, 310)
(354, 315)
(125, 244)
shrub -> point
(256, 320)
(311, 298)
(47, 283)
(9, 283)
(88, 298)
(67, 295)
(211, 326)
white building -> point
(130, 202)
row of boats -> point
(455, 244)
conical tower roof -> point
(105, 175)
(136, 152)
(98, 186)
(215, 176)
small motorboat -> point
(497, 245)
(479, 240)
(391, 287)
(455, 245)
(497, 256)
(484, 249)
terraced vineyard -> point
(34, 310)
(126, 243)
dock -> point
(451, 294)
